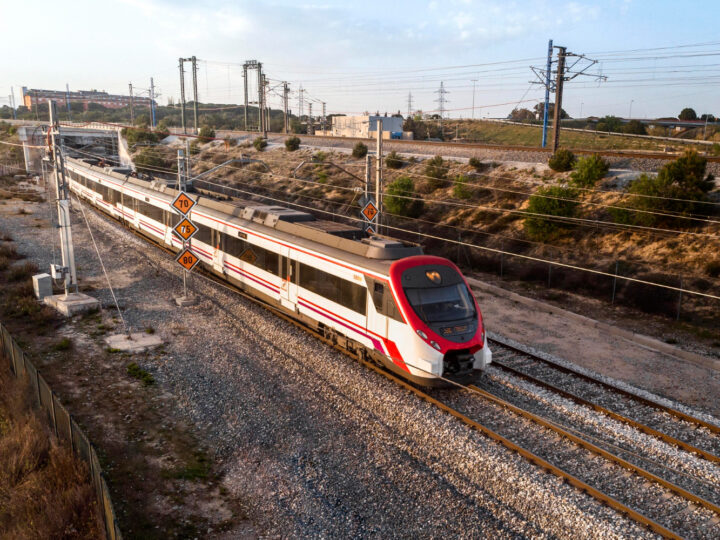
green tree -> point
(609, 123)
(540, 107)
(550, 201)
(401, 199)
(521, 115)
(687, 114)
(635, 127)
(460, 188)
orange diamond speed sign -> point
(187, 259)
(370, 211)
(183, 203)
(185, 229)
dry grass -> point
(44, 491)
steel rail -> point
(527, 454)
(634, 423)
(588, 378)
(597, 450)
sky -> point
(658, 56)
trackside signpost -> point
(369, 213)
(185, 230)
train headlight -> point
(435, 345)
(421, 334)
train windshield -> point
(442, 304)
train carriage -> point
(377, 296)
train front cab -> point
(448, 337)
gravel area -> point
(317, 444)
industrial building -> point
(33, 97)
(366, 126)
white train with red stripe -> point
(376, 296)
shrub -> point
(460, 189)
(319, 156)
(195, 147)
(552, 201)
(161, 130)
(437, 171)
(138, 135)
(259, 143)
(712, 268)
(562, 160)
(397, 198)
(22, 271)
(588, 171)
(206, 132)
(393, 160)
(139, 373)
(292, 143)
(63, 345)
(149, 161)
(675, 189)
(476, 164)
(360, 150)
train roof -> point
(335, 239)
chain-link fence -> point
(64, 426)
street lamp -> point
(630, 113)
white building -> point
(366, 127)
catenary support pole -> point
(547, 93)
(132, 105)
(182, 94)
(558, 97)
(378, 173)
(195, 93)
(261, 116)
(285, 107)
(245, 86)
(152, 103)
(63, 204)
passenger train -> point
(376, 296)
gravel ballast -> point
(318, 445)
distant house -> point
(366, 127)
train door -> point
(376, 321)
(218, 261)
(288, 287)
(168, 220)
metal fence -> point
(64, 426)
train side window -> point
(378, 292)
(334, 288)
(390, 307)
(204, 235)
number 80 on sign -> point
(187, 259)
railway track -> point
(671, 425)
(435, 147)
(549, 446)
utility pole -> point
(152, 103)
(547, 93)
(12, 102)
(285, 106)
(310, 125)
(63, 207)
(132, 106)
(473, 101)
(181, 170)
(322, 123)
(558, 97)
(266, 110)
(182, 94)
(378, 173)
(563, 74)
(67, 101)
(261, 105)
(245, 85)
(409, 114)
(300, 103)
(195, 93)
